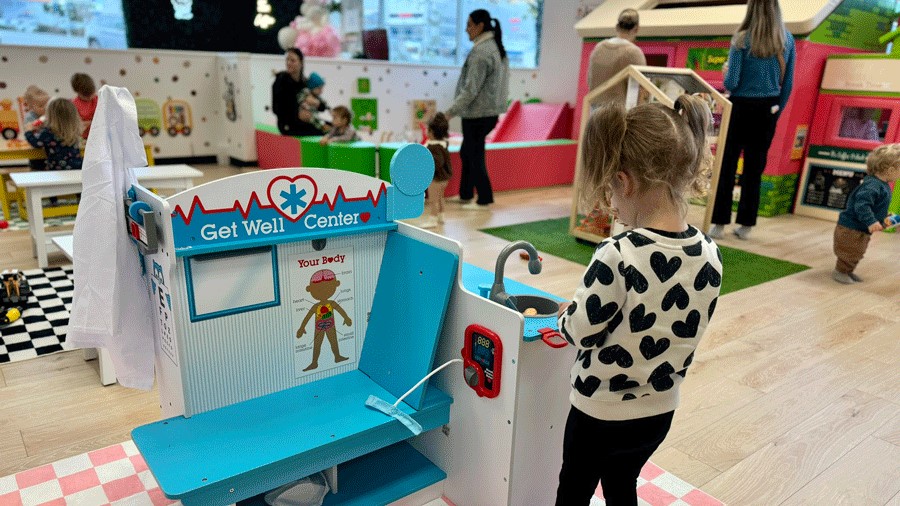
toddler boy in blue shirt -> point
(867, 207)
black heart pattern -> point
(621, 382)
(694, 250)
(585, 357)
(688, 328)
(688, 361)
(640, 240)
(629, 397)
(712, 307)
(707, 275)
(661, 377)
(633, 278)
(598, 271)
(597, 312)
(617, 354)
(595, 340)
(682, 373)
(615, 322)
(663, 267)
(565, 333)
(640, 321)
(651, 349)
(572, 308)
(676, 296)
(707, 238)
(587, 387)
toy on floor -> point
(10, 315)
(15, 287)
(4, 224)
(891, 222)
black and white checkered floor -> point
(17, 223)
(45, 319)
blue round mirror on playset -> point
(412, 169)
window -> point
(221, 284)
(863, 123)
(66, 23)
(433, 31)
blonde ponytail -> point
(658, 146)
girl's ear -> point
(625, 182)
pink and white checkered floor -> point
(118, 475)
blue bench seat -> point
(241, 450)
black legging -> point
(751, 130)
(611, 453)
(472, 152)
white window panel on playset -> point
(226, 283)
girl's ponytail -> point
(698, 118)
(601, 154)
(498, 37)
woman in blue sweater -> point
(760, 76)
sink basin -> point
(544, 306)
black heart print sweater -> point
(643, 305)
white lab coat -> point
(111, 307)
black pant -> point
(474, 169)
(609, 452)
(751, 130)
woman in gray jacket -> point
(481, 96)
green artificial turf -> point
(741, 268)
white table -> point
(107, 374)
(52, 183)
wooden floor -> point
(794, 397)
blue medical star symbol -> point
(293, 199)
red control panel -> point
(482, 359)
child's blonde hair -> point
(882, 159)
(34, 95)
(63, 120)
(656, 145)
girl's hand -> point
(875, 227)
(34, 126)
(562, 307)
(323, 141)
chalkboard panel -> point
(829, 187)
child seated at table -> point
(341, 129)
(85, 101)
(60, 136)
(35, 101)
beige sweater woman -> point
(608, 58)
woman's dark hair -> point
(439, 126)
(296, 51)
(490, 25)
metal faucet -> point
(498, 290)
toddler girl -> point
(645, 299)
(438, 131)
(60, 136)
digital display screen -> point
(483, 354)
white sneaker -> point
(742, 232)
(717, 231)
(428, 222)
(472, 206)
(840, 277)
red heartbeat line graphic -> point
(197, 204)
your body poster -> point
(322, 298)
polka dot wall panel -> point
(178, 94)
(393, 85)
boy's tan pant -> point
(435, 200)
(849, 247)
